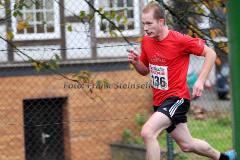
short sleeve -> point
(143, 56)
(193, 45)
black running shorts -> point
(174, 108)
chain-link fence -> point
(47, 115)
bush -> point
(128, 135)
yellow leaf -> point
(226, 49)
(139, 39)
(38, 66)
(22, 25)
(131, 67)
(9, 35)
(225, 10)
(213, 33)
(189, 32)
(218, 61)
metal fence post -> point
(234, 41)
(170, 149)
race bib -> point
(159, 75)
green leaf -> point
(200, 10)
(15, 6)
(113, 33)
(69, 27)
(20, 6)
(112, 14)
(127, 136)
(106, 14)
(99, 84)
(15, 13)
(125, 20)
(101, 10)
(19, 13)
(38, 65)
(57, 57)
(53, 64)
(118, 18)
(82, 15)
(83, 76)
(140, 120)
(138, 140)
(90, 17)
(8, 11)
(106, 82)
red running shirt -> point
(168, 62)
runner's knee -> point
(186, 146)
(146, 133)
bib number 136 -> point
(159, 75)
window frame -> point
(131, 33)
(38, 36)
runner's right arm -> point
(134, 59)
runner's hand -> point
(133, 58)
(197, 89)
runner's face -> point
(151, 26)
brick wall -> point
(90, 124)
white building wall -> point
(74, 7)
(78, 41)
(45, 52)
(3, 44)
(114, 49)
(2, 12)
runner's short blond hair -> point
(158, 11)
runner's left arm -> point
(210, 57)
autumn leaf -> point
(218, 61)
(9, 35)
(22, 25)
(139, 39)
(38, 66)
(189, 32)
(131, 67)
(214, 33)
(225, 10)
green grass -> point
(216, 130)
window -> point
(127, 8)
(42, 18)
